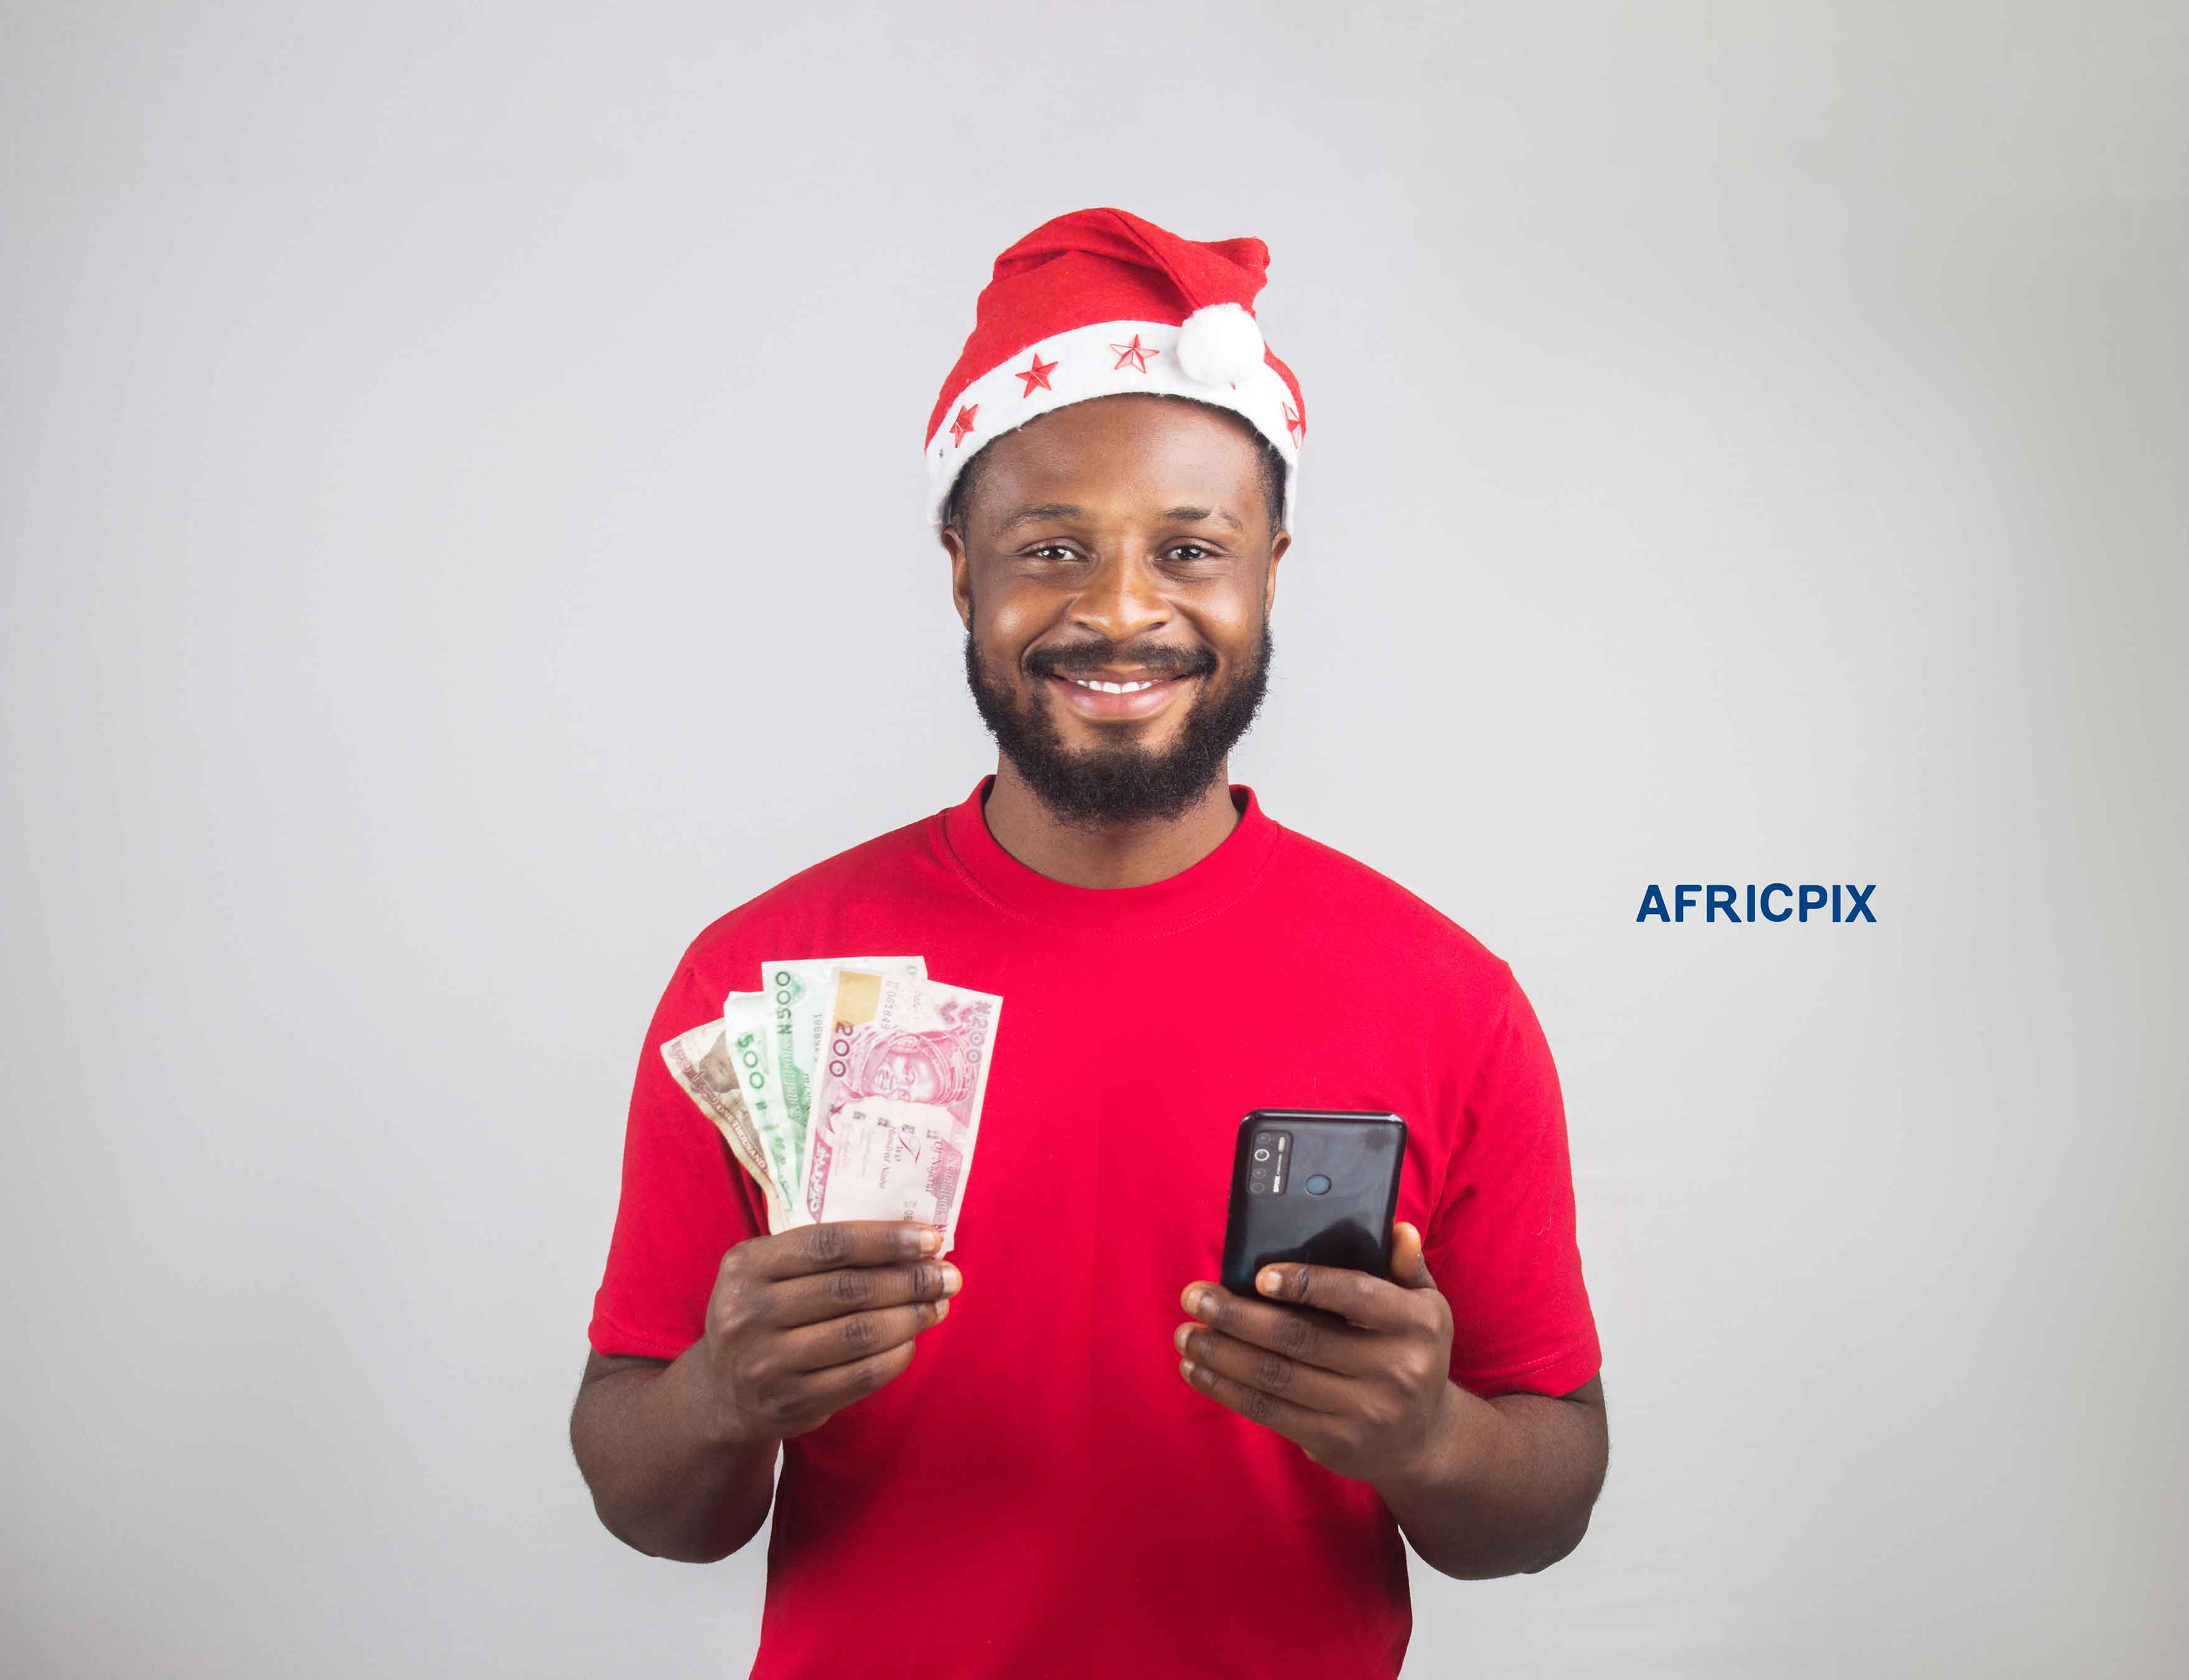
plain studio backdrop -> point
(462, 534)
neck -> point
(1110, 855)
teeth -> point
(1114, 687)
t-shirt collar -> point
(1193, 894)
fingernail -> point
(929, 1240)
(1204, 1303)
(942, 1311)
(1268, 1282)
(1185, 1369)
(953, 1279)
(1178, 1340)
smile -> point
(1116, 698)
(1112, 687)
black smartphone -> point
(1314, 1184)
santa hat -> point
(1098, 303)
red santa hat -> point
(1097, 302)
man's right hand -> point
(804, 1322)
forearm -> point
(1507, 1485)
(663, 1481)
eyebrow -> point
(1065, 510)
(1042, 510)
(1190, 515)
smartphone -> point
(1314, 1184)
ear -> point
(961, 576)
(1278, 545)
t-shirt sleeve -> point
(686, 1200)
(1501, 1244)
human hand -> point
(802, 1323)
(1370, 1397)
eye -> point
(1048, 548)
(1188, 550)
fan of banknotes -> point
(849, 1087)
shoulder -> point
(1353, 904)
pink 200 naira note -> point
(896, 1099)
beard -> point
(1127, 783)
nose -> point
(1122, 599)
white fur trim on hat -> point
(1103, 360)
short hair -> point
(1271, 462)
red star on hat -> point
(1294, 423)
(1036, 375)
(1136, 352)
(963, 424)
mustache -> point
(1090, 659)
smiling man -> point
(1095, 1460)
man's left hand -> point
(1370, 1397)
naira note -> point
(797, 991)
(892, 1160)
(712, 1068)
(903, 1072)
(749, 1032)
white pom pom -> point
(1220, 344)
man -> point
(1095, 1460)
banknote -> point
(893, 1160)
(747, 1030)
(916, 1053)
(706, 1063)
(797, 990)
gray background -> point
(461, 464)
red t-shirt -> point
(1040, 1494)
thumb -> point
(1410, 1267)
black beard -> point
(1126, 783)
